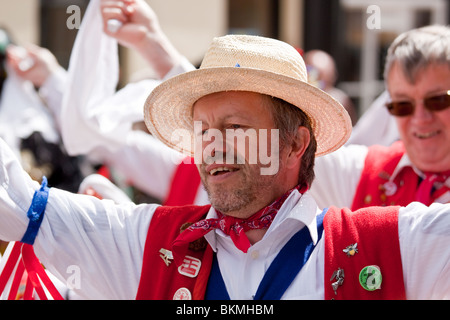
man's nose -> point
(421, 114)
(215, 141)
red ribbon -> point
(22, 255)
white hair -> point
(416, 49)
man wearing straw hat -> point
(263, 237)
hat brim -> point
(168, 108)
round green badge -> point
(370, 278)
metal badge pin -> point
(351, 250)
(166, 255)
(370, 278)
(339, 276)
(390, 188)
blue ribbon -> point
(36, 212)
(282, 271)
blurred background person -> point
(417, 167)
(322, 72)
(104, 123)
(32, 84)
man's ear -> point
(298, 147)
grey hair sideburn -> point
(287, 118)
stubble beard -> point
(234, 200)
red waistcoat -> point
(374, 187)
(159, 281)
(374, 229)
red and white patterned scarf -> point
(234, 227)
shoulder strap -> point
(288, 263)
(216, 288)
(281, 272)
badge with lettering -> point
(370, 278)
(182, 294)
(190, 267)
(166, 255)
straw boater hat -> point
(245, 63)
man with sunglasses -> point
(416, 168)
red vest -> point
(159, 281)
(342, 228)
(375, 230)
(184, 185)
(374, 188)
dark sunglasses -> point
(406, 108)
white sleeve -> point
(92, 79)
(22, 112)
(102, 240)
(146, 162)
(184, 66)
(16, 191)
(93, 114)
(376, 126)
(52, 91)
(424, 234)
(337, 176)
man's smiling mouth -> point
(221, 170)
(426, 135)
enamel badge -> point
(190, 267)
(370, 278)
(351, 250)
(182, 294)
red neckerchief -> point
(234, 227)
(424, 193)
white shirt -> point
(106, 242)
(135, 149)
(22, 112)
(376, 125)
(337, 176)
(96, 120)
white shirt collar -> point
(403, 163)
(297, 207)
